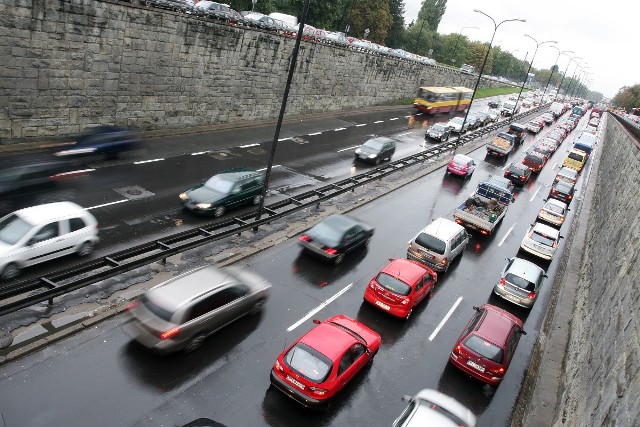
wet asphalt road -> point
(98, 377)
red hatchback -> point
(400, 286)
(323, 361)
(487, 345)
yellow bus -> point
(433, 100)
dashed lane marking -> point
(348, 148)
(378, 121)
(338, 129)
(248, 145)
(147, 161)
(316, 133)
(320, 307)
(506, 235)
(535, 194)
(360, 125)
(272, 167)
(451, 310)
(106, 204)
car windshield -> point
(539, 237)
(576, 156)
(156, 309)
(484, 348)
(516, 170)
(438, 127)
(219, 184)
(562, 186)
(554, 208)
(431, 243)
(312, 364)
(533, 159)
(13, 228)
(392, 284)
(520, 282)
(375, 144)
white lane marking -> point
(506, 235)
(418, 114)
(336, 130)
(535, 194)
(451, 310)
(318, 308)
(346, 149)
(272, 167)
(316, 133)
(404, 134)
(360, 125)
(378, 121)
(284, 139)
(74, 172)
(248, 145)
(199, 153)
(106, 204)
(406, 117)
(395, 118)
(554, 165)
(147, 161)
(506, 166)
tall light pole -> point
(455, 48)
(495, 28)
(526, 77)
(566, 89)
(565, 73)
(564, 52)
(583, 73)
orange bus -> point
(433, 100)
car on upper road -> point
(400, 286)
(474, 121)
(323, 361)
(227, 190)
(487, 344)
(568, 175)
(180, 313)
(520, 282)
(541, 240)
(461, 165)
(376, 149)
(534, 161)
(109, 141)
(467, 69)
(44, 232)
(494, 115)
(562, 191)
(336, 236)
(517, 173)
(438, 132)
(553, 212)
(432, 408)
(494, 103)
(455, 125)
(483, 117)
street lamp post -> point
(583, 73)
(570, 88)
(526, 77)
(564, 52)
(495, 28)
(455, 48)
(565, 74)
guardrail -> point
(49, 286)
(632, 127)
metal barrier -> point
(60, 282)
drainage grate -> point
(134, 192)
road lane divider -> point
(360, 125)
(315, 133)
(395, 118)
(446, 317)
(106, 204)
(199, 153)
(338, 129)
(348, 148)
(283, 139)
(320, 307)
(378, 121)
(249, 145)
(141, 162)
(535, 194)
(506, 235)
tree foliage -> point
(373, 15)
(395, 36)
(431, 13)
(627, 97)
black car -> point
(376, 149)
(473, 121)
(563, 191)
(494, 103)
(483, 118)
(438, 132)
(519, 131)
(336, 236)
(517, 173)
(109, 141)
(230, 189)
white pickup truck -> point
(485, 208)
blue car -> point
(109, 141)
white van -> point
(438, 244)
(291, 20)
(33, 235)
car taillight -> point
(507, 173)
(485, 232)
(459, 221)
(372, 284)
(444, 261)
(330, 251)
(459, 351)
(132, 305)
(502, 281)
(554, 192)
(532, 295)
(569, 196)
(277, 366)
(305, 238)
(318, 391)
(405, 301)
(169, 333)
(498, 371)
(522, 178)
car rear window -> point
(431, 243)
(533, 159)
(520, 282)
(484, 348)
(156, 309)
(392, 284)
(542, 238)
(576, 156)
(326, 234)
(554, 208)
(515, 170)
(310, 363)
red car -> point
(323, 361)
(400, 286)
(487, 344)
(534, 161)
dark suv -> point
(109, 141)
(517, 173)
(230, 189)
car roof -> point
(329, 340)
(239, 173)
(518, 166)
(556, 202)
(568, 171)
(442, 228)
(426, 416)
(545, 229)
(523, 268)
(462, 158)
(405, 270)
(47, 212)
(496, 324)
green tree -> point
(373, 15)
(477, 52)
(396, 34)
(627, 97)
(431, 13)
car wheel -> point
(257, 307)
(370, 362)
(10, 271)
(339, 259)
(377, 162)
(443, 138)
(85, 249)
(256, 199)
(408, 316)
(195, 343)
(219, 211)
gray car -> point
(520, 282)
(180, 313)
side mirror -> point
(544, 200)
(561, 237)
(406, 398)
(545, 276)
(568, 209)
(523, 332)
(316, 321)
(366, 350)
(476, 308)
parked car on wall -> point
(467, 69)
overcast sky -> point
(601, 33)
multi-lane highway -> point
(98, 377)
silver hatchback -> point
(180, 313)
(520, 282)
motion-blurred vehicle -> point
(109, 141)
(432, 408)
(400, 286)
(517, 173)
(182, 312)
(324, 360)
(224, 191)
(438, 132)
(487, 344)
(541, 240)
(15, 180)
(554, 212)
(562, 190)
(461, 165)
(336, 236)
(375, 150)
(41, 233)
(438, 244)
(520, 282)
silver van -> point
(520, 282)
(180, 313)
(438, 244)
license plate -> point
(296, 382)
(475, 365)
(427, 254)
(383, 305)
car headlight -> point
(184, 197)
(372, 156)
(358, 151)
(203, 205)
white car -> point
(553, 212)
(33, 235)
(541, 240)
(456, 124)
(432, 408)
